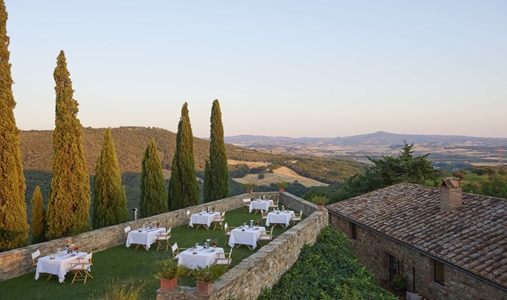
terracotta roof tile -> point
(472, 237)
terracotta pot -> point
(320, 207)
(203, 288)
(249, 191)
(168, 284)
(281, 189)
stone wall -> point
(19, 261)
(263, 269)
(373, 249)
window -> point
(353, 231)
(438, 272)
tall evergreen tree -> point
(69, 202)
(153, 191)
(38, 213)
(183, 187)
(13, 220)
(218, 171)
(110, 200)
(207, 183)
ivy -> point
(327, 270)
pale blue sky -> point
(279, 68)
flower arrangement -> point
(158, 224)
(256, 223)
(214, 242)
(76, 249)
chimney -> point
(451, 196)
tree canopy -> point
(183, 187)
(389, 170)
(69, 203)
(109, 198)
(153, 191)
(218, 172)
(13, 218)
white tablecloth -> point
(203, 218)
(202, 259)
(262, 204)
(281, 218)
(146, 237)
(248, 237)
(58, 266)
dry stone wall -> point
(263, 269)
(19, 261)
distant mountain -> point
(379, 138)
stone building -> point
(447, 244)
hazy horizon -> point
(284, 68)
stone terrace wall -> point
(263, 269)
(19, 261)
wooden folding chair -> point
(264, 217)
(268, 236)
(189, 215)
(227, 232)
(274, 205)
(35, 259)
(219, 220)
(81, 268)
(223, 260)
(164, 236)
(176, 251)
(246, 204)
(297, 218)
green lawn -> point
(126, 264)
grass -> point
(127, 265)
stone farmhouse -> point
(447, 244)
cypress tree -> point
(13, 220)
(110, 200)
(183, 187)
(38, 212)
(153, 191)
(218, 171)
(69, 202)
(207, 183)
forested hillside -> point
(131, 142)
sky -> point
(278, 68)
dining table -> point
(201, 258)
(260, 204)
(203, 218)
(245, 235)
(144, 237)
(281, 218)
(57, 264)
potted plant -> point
(281, 186)
(168, 271)
(205, 277)
(399, 283)
(249, 187)
(320, 201)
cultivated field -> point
(281, 174)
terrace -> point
(111, 260)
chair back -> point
(127, 229)
(247, 200)
(301, 213)
(88, 258)
(35, 254)
(174, 247)
(230, 252)
(223, 214)
(168, 232)
(188, 213)
(226, 226)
